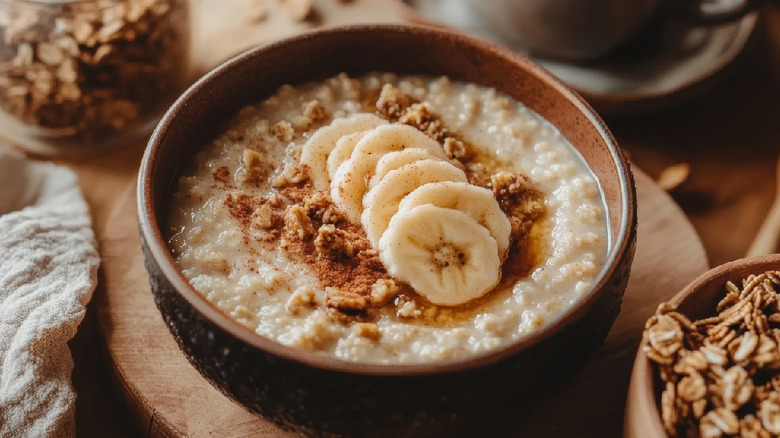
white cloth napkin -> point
(48, 270)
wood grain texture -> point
(168, 398)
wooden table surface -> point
(730, 137)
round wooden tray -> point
(168, 398)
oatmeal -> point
(389, 219)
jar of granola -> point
(86, 75)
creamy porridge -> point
(389, 219)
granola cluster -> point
(83, 68)
(721, 374)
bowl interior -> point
(257, 73)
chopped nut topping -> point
(264, 217)
(283, 130)
(454, 148)
(345, 300)
(384, 290)
(406, 307)
(521, 203)
(332, 243)
(303, 297)
(314, 113)
(722, 373)
(250, 168)
(297, 222)
(319, 207)
(291, 175)
(392, 103)
(420, 116)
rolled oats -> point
(718, 422)
(90, 68)
(769, 413)
(720, 373)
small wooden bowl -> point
(320, 395)
(696, 300)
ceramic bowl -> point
(696, 300)
(320, 395)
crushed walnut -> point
(302, 298)
(264, 217)
(251, 168)
(406, 307)
(721, 374)
(291, 175)
(333, 243)
(345, 299)
(521, 203)
(392, 103)
(395, 106)
(87, 68)
(283, 130)
(384, 290)
(319, 207)
(313, 115)
(420, 116)
(297, 222)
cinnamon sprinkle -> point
(349, 279)
(222, 176)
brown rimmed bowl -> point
(697, 300)
(319, 395)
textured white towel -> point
(48, 270)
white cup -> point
(587, 29)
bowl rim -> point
(643, 375)
(151, 233)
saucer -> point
(663, 65)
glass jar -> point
(87, 75)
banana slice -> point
(381, 202)
(477, 202)
(343, 150)
(444, 254)
(316, 150)
(349, 181)
(389, 138)
(394, 160)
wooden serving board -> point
(167, 397)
